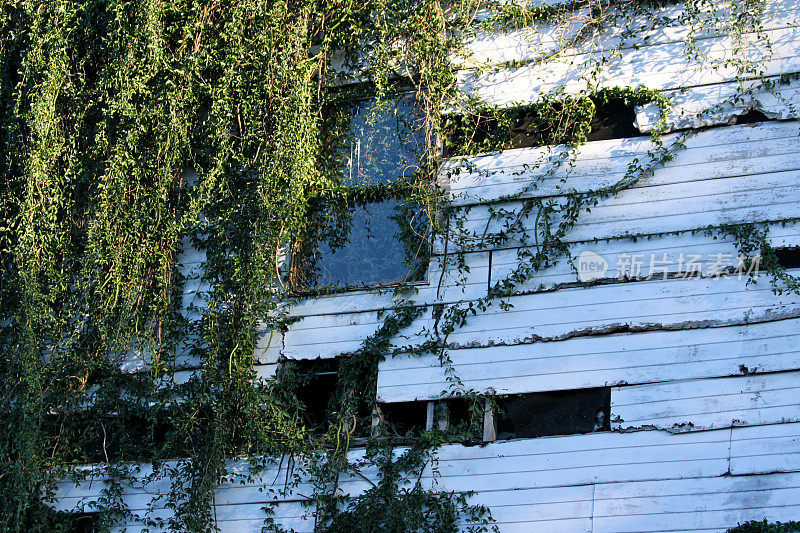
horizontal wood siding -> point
(641, 481)
(601, 360)
(695, 404)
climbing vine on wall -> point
(133, 131)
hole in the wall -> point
(404, 419)
(80, 522)
(111, 437)
(85, 523)
(554, 413)
(532, 126)
(751, 117)
(458, 418)
(788, 257)
(613, 119)
(315, 386)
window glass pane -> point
(385, 245)
(358, 242)
(383, 143)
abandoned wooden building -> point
(649, 379)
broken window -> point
(553, 413)
(376, 234)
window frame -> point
(300, 255)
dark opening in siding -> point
(404, 419)
(317, 381)
(751, 117)
(554, 413)
(531, 126)
(788, 257)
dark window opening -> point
(539, 125)
(84, 523)
(751, 117)
(315, 384)
(110, 437)
(377, 234)
(404, 419)
(788, 257)
(554, 413)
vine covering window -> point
(374, 233)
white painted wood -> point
(651, 210)
(640, 481)
(690, 405)
(715, 104)
(475, 281)
(526, 172)
(604, 360)
(567, 509)
(707, 504)
(532, 43)
(663, 66)
(765, 449)
(655, 304)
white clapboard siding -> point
(662, 66)
(653, 210)
(586, 362)
(721, 103)
(531, 42)
(654, 304)
(750, 149)
(582, 459)
(563, 509)
(613, 480)
(765, 449)
(696, 404)
(643, 258)
(703, 504)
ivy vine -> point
(132, 132)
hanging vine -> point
(134, 131)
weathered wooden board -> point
(751, 149)
(721, 103)
(704, 504)
(612, 359)
(765, 449)
(567, 509)
(653, 304)
(662, 66)
(616, 480)
(648, 211)
(583, 459)
(697, 404)
(531, 43)
(474, 281)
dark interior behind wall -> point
(554, 413)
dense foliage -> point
(135, 131)
(766, 527)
